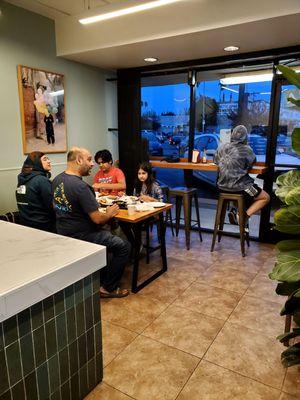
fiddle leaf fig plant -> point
(287, 219)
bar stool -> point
(224, 199)
(166, 193)
(186, 195)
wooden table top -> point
(140, 215)
(258, 168)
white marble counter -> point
(36, 264)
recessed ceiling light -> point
(231, 48)
(150, 59)
(125, 11)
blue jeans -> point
(118, 255)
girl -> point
(147, 188)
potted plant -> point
(287, 220)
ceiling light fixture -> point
(150, 59)
(231, 48)
(262, 76)
(231, 90)
(126, 11)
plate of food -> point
(157, 204)
(105, 201)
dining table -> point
(137, 222)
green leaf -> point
(290, 335)
(287, 245)
(287, 288)
(293, 196)
(287, 183)
(290, 75)
(287, 219)
(291, 356)
(294, 101)
(287, 267)
(296, 140)
(292, 305)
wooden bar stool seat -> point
(186, 196)
(224, 200)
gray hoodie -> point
(234, 159)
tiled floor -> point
(205, 330)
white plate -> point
(157, 204)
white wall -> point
(91, 102)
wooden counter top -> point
(258, 168)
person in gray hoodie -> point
(234, 160)
(34, 193)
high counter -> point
(50, 326)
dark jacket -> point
(34, 199)
(234, 159)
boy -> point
(234, 159)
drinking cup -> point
(131, 209)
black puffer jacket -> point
(34, 199)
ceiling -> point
(188, 29)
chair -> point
(224, 200)
(186, 196)
(149, 226)
(13, 217)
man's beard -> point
(85, 171)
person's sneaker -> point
(232, 216)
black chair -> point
(12, 216)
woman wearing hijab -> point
(34, 194)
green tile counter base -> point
(53, 349)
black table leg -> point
(137, 228)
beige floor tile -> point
(186, 330)
(211, 301)
(211, 382)
(292, 381)
(227, 278)
(263, 287)
(248, 352)
(133, 312)
(260, 315)
(268, 265)
(105, 392)
(148, 370)
(167, 288)
(253, 266)
(115, 339)
(285, 396)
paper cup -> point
(131, 209)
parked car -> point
(155, 148)
(207, 141)
(259, 143)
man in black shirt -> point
(77, 216)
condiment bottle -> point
(204, 159)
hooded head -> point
(239, 134)
(33, 162)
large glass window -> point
(224, 98)
(165, 112)
(289, 119)
(223, 101)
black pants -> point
(118, 254)
(50, 138)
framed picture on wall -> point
(43, 114)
